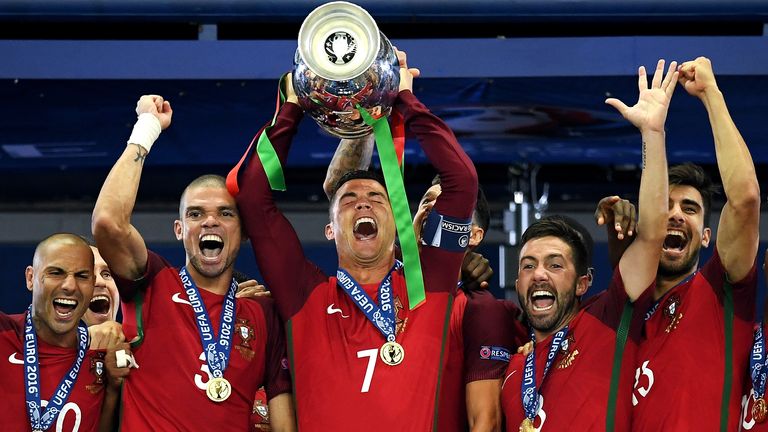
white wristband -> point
(145, 131)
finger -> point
(602, 206)
(620, 106)
(658, 74)
(415, 72)
(484, 285)
(642, 79)
(668, 78)
(670, 90)
(633, 220)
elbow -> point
(748, 198)
(106, 227)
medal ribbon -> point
(32, 376)
(216, 351)
(393, 177)
(382, 315)
(530, 395)
(758, 366)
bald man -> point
(51, 380)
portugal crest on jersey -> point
(246, 334)
(97, 370)
(568, 352)
(672, 312)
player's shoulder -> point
(11, 323)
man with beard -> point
(350, 374)
(202, 352)
(692, 362)
(579, 375)
(48, 372)
(483, 330)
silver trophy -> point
(343, 61)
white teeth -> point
(99, 297)
(676, 233)
(365, 220)
(66, 302)
(539, 309)
(212, 237)
(541, 293)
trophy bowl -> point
(343, 61)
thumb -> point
(620, 106)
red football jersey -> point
(83, 408)
(574, 396)
(340, 382)
(260, 414)
(167, 391)
(484, 332)
(679, 376)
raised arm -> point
(286, 271)
(639, 263)
(350, 155)
(119, 242)
(737, 233)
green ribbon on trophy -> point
(393, 177)
(266, 150)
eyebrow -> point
(548, 257)
(691, 202)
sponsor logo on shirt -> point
(177, 299)
(14, 360)
(494, 353)
(332, 310)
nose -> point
(70, 283)
(210, 220)
(676, 214)
(364, 204)
(100, 281)
(540, 274)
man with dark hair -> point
(202, 352)
(698, 333)
(48, 372)
(578, 377)
(362, 356)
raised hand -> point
(650, 111)
(156, 106)
(697, 77)
(618, 212)
(252, 288)
(406, 74)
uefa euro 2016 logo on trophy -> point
(344, 62)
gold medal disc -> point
(392, 353)
(527, 426)
(759, 410)
(218, 389)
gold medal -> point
(759, 410)
(218, 389)
(392, 353)
(527, 426)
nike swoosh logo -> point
(508, 377)
(331, 310)
(13, 360)
(178, 299)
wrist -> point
(145, 132)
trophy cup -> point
(343, 61)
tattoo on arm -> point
(141, 154)
(643, 167)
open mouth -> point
(99, 304)
(64, 307)
(365, 228)
(675, 241)
(211, 245)
(542, 300)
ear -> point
(582, 285)
(706, 236)
(329, 231)
(178, 229)
(29, 276)
(476, 236)
(516, 281)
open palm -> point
(650, 111)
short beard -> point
(565, 305)
(674, 269)
(195, 261)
